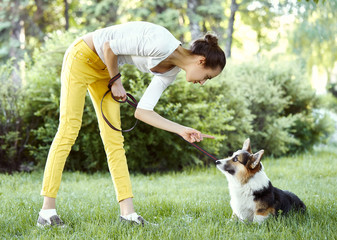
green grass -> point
(193, 204)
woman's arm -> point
(110, 58)
(154, 119)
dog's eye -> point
(235, 159)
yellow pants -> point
(82, 69)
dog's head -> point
(242, 165)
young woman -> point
(89, 63)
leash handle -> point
(133, 102)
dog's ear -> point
(256, 159)
(246, 146)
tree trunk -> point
(39, 15)
(193, 17)
(230, 29)
(66, 14)
(17, 39)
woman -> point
(88, 64)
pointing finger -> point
(207, 136)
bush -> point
(273, 104)
(281, 101)
(14, 131)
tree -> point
(230, 28)
(194, 18)
(314, 37)
(260, 15)
(187, 20)
(13, 34)
(66, 14)
(168, 13)
(100, 14)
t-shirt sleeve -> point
(153, 92)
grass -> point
(193, 204)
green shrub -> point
(282, 103)
(14, 131)
(329, 101)
(272, 103)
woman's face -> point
(197, 73)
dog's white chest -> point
(242, 203)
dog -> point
(253, 197)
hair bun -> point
(211, 39)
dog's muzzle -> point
(217, 162)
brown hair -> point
(209, 48)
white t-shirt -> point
(144, 45)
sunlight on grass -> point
(193, 204)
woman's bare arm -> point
(154, 119)
(117, 88)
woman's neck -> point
(181, 58)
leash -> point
(200, 149)
(133, 102)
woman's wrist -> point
(180, 129)
(114, 79)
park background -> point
(278, 88)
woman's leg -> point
(49, 203)
(126, 207)
(73, 91)
(113, 144)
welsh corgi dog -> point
(253, 197)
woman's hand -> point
(191, 135)
(118, 90)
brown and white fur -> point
(253, 197)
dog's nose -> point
(217, 162)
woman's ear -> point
(201, 60)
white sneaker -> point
(136, 219)
(52, 221)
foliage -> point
(270, 103)
(93, 16)
(329, 101)
(316, 27)
(262, 16)
(166, 13)
(178, 16)
(282, 103)
(14, 130)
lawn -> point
(193, 204)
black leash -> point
(133, 102)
